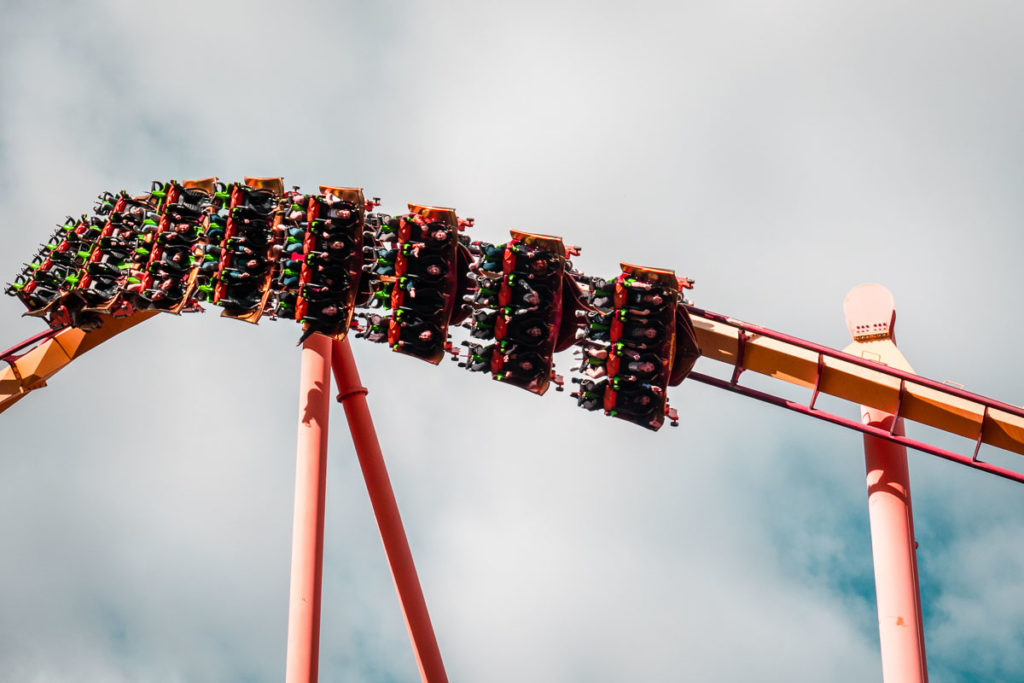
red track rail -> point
(809, 410)
(12, 354)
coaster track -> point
(334, 264)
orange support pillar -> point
(308, 522)
(871, 315)
(352, 395)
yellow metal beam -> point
(865, 386)
(31, 371)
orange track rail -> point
(878, 386)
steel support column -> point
(894, 553)
(352, 396)
(871, 315)
(308, 522)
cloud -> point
(780, 155)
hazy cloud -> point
(780, 154)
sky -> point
(778, 153)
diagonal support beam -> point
(352, 395)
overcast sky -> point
(779, 153)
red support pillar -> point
(893, 548)
(871, 315)
(352, 395)
(308, 522)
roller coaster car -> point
(290, 239)
(643, 345)
(253, 217)
(335, 223)
(230, 198)
(427, 273)
(528, 327)
(211, 245)
(162, 194)
(199, 198)
(102, 277)
(163, 252)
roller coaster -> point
(338, 267)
